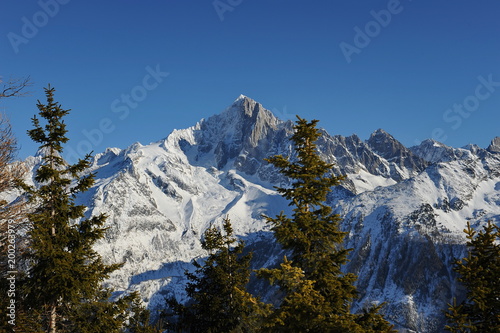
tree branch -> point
(15, 86)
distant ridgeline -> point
(404, 208)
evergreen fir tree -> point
(219, 301)
(99, 315)
(313, 237)
(302, 308)
(139, 321)
(63, 290)
(480, 274)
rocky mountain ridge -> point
(404, 208)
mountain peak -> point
(380, 141)
(380, 132)
(242, 99)
(386, 146)
(432, 143)
(243, 105)
(240, 135)
(494, 146)
(246, 107)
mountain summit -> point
(404, 209)
(494, 147)
(240, 137)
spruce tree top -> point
(51, 138)
(318, 295)
(53, 134)
(480, 275)
(311, 176)
(313, 230)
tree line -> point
(55, 278)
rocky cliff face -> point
(404, 208)
(494, 147)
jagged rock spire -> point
(494, 146)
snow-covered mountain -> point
(404, 208)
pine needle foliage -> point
(63, 291)
(126, 314)
(480, 275)
(302, 308)
(314, 239)
(219, 301)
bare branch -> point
(12, 214)
(10, 171)
(14, 87)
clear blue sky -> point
(411, 63)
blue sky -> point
(416, 68)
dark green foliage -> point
(313, 237)
(312, 233)
(125, 314)
(302, 308)
(62, 291)
(218, 300)
(64, 268)
(480, 274)
(372, 321)
(139, 318)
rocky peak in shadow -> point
(494, 146)
(386, 146)
(243, 135)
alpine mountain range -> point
(404, 209)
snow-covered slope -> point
(404, 209)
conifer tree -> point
(314, 239)
(480, 275)
(139, 318)
(302, 308)
(63, 289)
(219, 301)
(125, 314)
